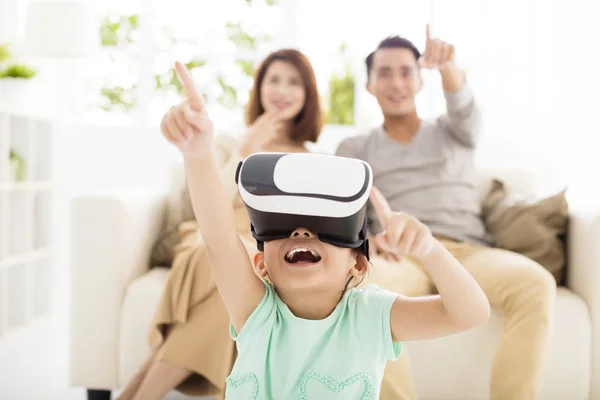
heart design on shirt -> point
(334, 386)
(249, 377)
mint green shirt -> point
(283, 357)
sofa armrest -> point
(583, 276)
(111, 241)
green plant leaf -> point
(237, 36)
(158, 84)
(133, 21)
(341, 98)
(118, 30)
(18, 71)
(118, 98)
(108, 32)
(4, 53)
(229, 97)
(246, 66)
(169, 80)
(195, 64)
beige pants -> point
(522, 289)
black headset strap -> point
(365, 244)
(260, 245)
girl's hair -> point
(309, 121)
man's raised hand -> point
(438, 54)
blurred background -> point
(530, 63)
(79, 113)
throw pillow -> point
(531, 228)
(178, 211)
(175, 213)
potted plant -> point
(17, 166)
(13, 78)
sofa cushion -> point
(179, 205)
(527, 226)
(517, 178)
(461, 364)
(141, 300)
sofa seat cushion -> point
(461, 364)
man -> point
(426, 168)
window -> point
(113, 76)
(337, 37)
(220, 44)
(462, 23)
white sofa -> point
(113, 296)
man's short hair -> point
(392, 42)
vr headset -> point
(326, 194)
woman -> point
(192, 348)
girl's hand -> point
(188, 125)
(266, 127)
(376, 249)
(402, 233)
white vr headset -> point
(326, 194)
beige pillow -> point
(179, 209)
(179, 205)
(532, 228)
(162, 252)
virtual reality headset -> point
(325, 194)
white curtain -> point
(9, 12)
(531, 63)
(534, 67)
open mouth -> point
(302, 255)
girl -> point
(296, 338)
(191, 347)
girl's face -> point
(282, 90)
(303, 262)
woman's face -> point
(282, 90)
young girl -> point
(297, 337)
(192, 350)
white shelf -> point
(41, 277)
(19, 223)
(26, 220)
(27, 186)
(18, 293)
(26, 258)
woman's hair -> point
(309, 121)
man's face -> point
(394, 80)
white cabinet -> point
(26, 219)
